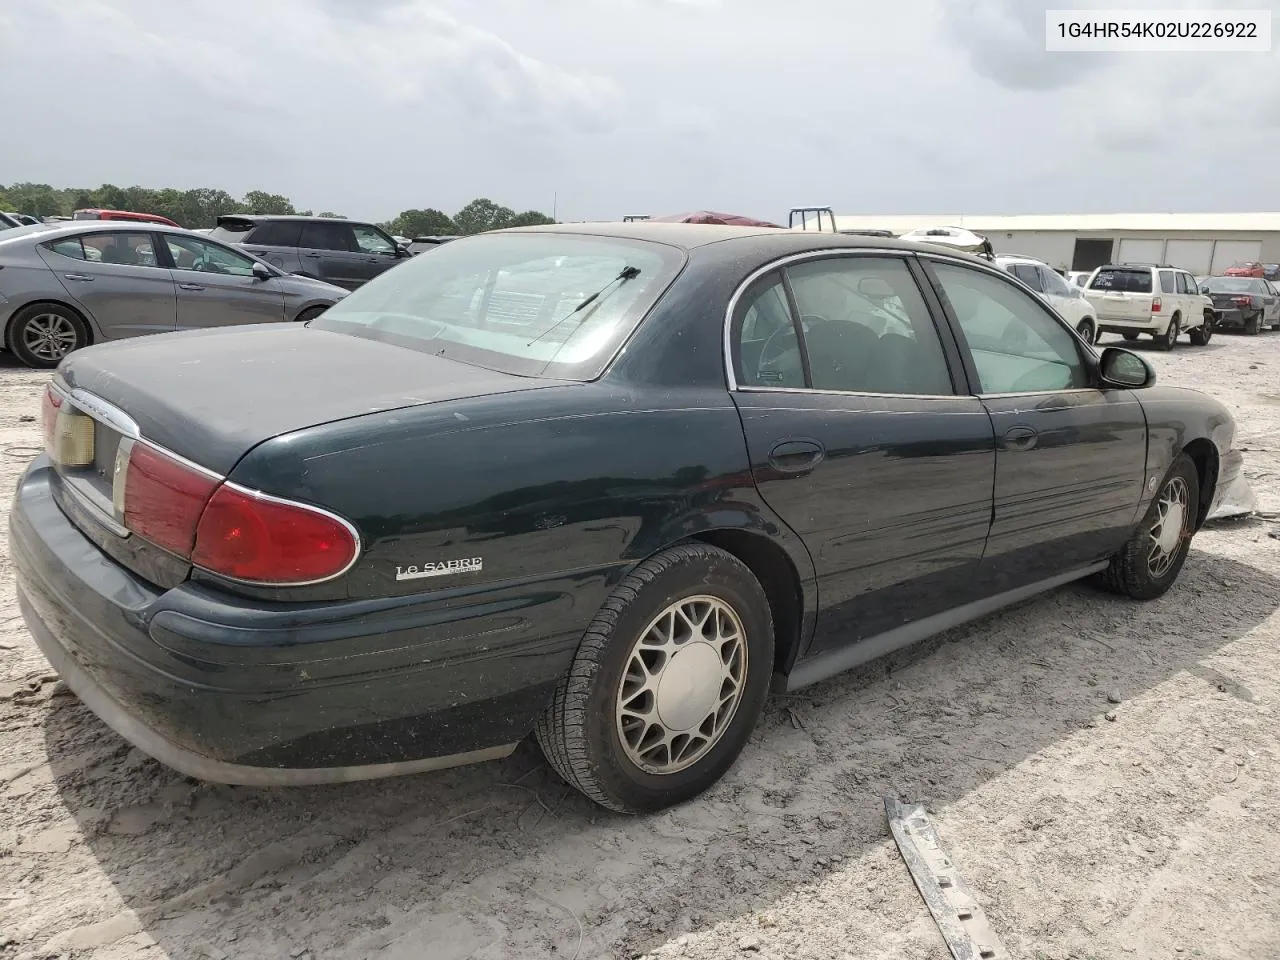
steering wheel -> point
(808, 322)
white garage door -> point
(1142, 251)
(1227, 252)
(1194, 256)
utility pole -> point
(555, 197)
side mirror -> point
(262, 272)
(1123, 368)
(402, 251)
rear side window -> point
(276, 233)
(1122, 280)
(1167, 284)
(328, 236)
(68, 247)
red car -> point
(127, 215)
(1246, 268)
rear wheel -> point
(667, 684)
(1202, 334)
(42, 334)
(1149, 562)
(1166, 340)
(1253, 324)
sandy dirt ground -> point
(1088, 828)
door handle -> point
(190, 286)
(796, 456)
(1020, 438)
(313, 256)
(78, 276)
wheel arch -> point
(1204, 455)
(90, 329)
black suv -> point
(342, 252)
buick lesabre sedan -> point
(607, 484)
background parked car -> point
(1066, 298)
(23, 219)
(1271, 271)
(347, 253)
(127, 215)
(420, 244)
(1136, 298)
(1249, 303)
(1246, 268)
(7, 222)
(1078, 278)
(66, 286)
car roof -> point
(691, 236)
(67, 228)
(287, 217)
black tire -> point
(63, 332)
(1130, 337)
(580, 732)
(1166, 340)
(1131, 573)
(1253, 325)
(1086, 330)
(310, 314)
(1202, 334)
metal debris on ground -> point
(959, 917)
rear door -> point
(216, 286)
(118, 280)
(860, 441)
(328, 252)
(1070, 457)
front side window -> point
(204, 257)
(328, 236)
(552, 305)
(122, 249)
(370, 240)
(867, 329)
(1028, 274)
(1016, 344)
(1054, 285)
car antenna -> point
(628, 273)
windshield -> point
(517, 303)
(1234, 285)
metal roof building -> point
(1200, 242)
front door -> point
(118, 280)
(1070, 457)
(216, 286)
(860, 442)
(379, 250)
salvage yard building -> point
(1202, 243)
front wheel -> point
(667, 684)
(1149, 562)
(1086, 331)
(306, 316)
(1130, 337)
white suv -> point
(1068, 300)
(1164, 301)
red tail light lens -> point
(263, 540)
(1243, 301)
(49, 407)
(1155, 305)
(163, 499)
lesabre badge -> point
(442, 569)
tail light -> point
(1155, 304)
(1243, 301)
(49, 407)
(225, 529)
(68, 433)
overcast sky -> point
(621, 107)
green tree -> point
(259, 201)
(482, 214)
(330, 213)
(530, 218)
(36, 199)
(422, 223)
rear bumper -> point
(274, 694)
(1126, 325)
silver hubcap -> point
(1167, 531)
(682, 684)
(49, 336)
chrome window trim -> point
(858, 393)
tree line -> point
(200, 208)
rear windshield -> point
(233, 232)
(1234, 285)
(517, 303)
(1119, 280)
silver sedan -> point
(66, 285)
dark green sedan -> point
(607, 484)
